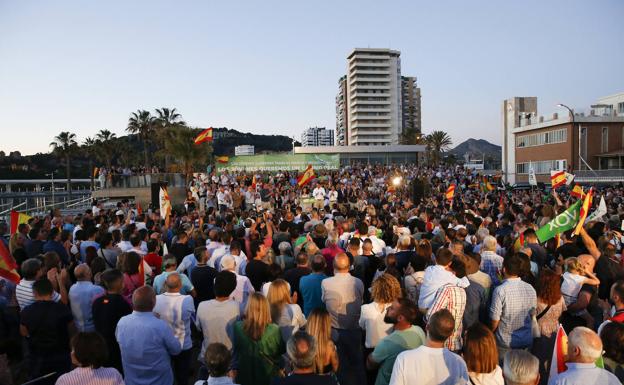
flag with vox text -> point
(562, 222)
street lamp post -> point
(581, 159)
(52, 175)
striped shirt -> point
(99, 376)
(25, 296)
(452, 298)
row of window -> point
(541, 167)
(542, 138)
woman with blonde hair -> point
(384, 291)
(257, 343)
(481, 356)
(319, 327)
(284, 309)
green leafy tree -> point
(412, 136)
(63, 145)
(142, 123)
(438, 141)
(186, 153)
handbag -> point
(535, 329)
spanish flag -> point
(577, 192)
(587, 203)
(450, 192)
(560, 350)
(204, 136)
(306, 177)
(17, 219)
(253, 182)
(165, 202)
(223, 159)
(557, 178)
(8, 265)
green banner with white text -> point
(280, 162)
(562, 222)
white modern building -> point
(375, 105)
(317, 136)
(244, 150)
(374, 96)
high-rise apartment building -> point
(374, 94)
(410, 94)
(375, 104)
(317, 136)
(342, 115)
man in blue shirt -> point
(310, 286)
(146, 343)
(81, 297)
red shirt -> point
(155, 262)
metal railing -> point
(142, 180)
(610, 176)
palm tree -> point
(105, 143)
(438, 141)
(186, 152)
(166, 119)
(62, 145)
(142, 123)
(90, 149)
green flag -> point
(562, 222)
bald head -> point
(584, 345)
(341, 263)
(173, 283)
(83, 272)
(144, 299)
(588, 262)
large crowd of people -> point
(352, 279)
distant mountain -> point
(226, 139)
(477, 149)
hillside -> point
(477, 149)
(128, 151)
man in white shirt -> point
(584, 348)
(177, 310)
(342, 295)
(216, 317)
(319, 196)
(244, 288)
(431, 363)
